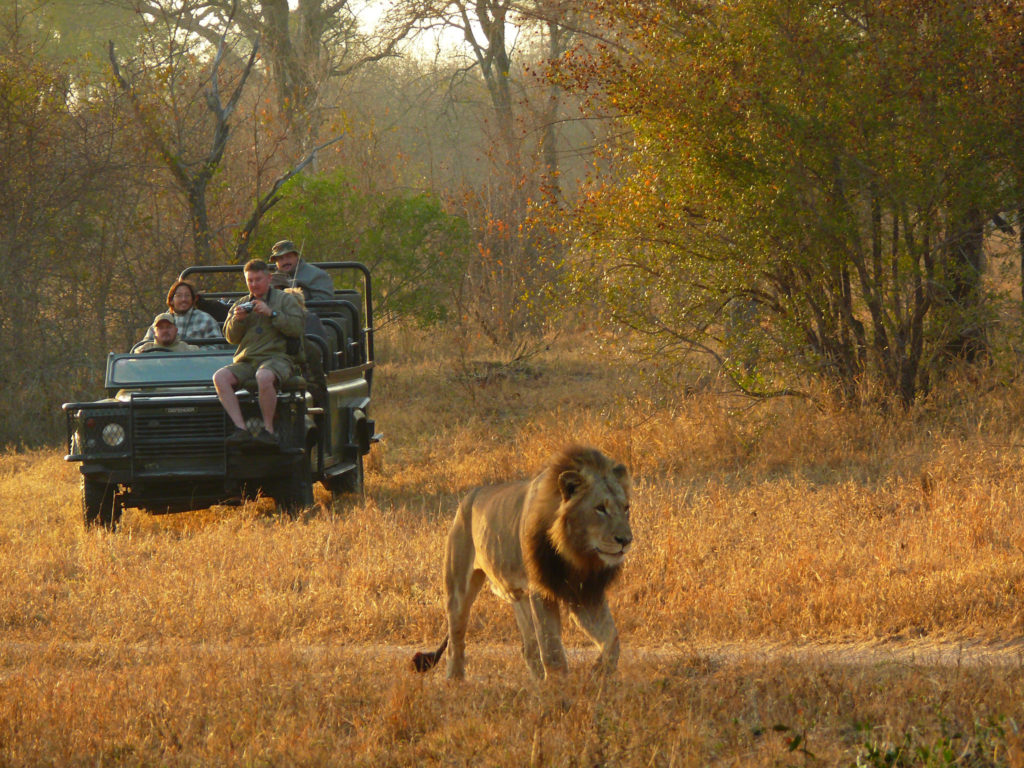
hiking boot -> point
(267, 439)
(239, 437)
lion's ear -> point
(620, 472)
(569, 482)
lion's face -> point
(592, 528)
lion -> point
(560, 537)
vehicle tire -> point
(350, 482)
(100, 504)
(294, 492)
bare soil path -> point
(914, 653)
(925, 652)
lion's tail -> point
(423, 661)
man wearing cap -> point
(316, 284)
(165, 336)
(261, 325)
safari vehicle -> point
(156, 441)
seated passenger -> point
(261, 325)
(165, 336)
(192, 323)
(316, 285)
(312, 322)
(311, 359)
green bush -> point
(985, 748)
(417, 252)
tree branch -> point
(272, 198)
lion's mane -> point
(558, 565)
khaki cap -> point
(281, 248)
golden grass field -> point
(808, 586)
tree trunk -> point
(549, 139)
(1020, 248)
(966, 256)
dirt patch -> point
(923, 653)
(916, 653)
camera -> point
(247, 306)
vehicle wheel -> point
(350, 482)
(294, 492)
(100, 505)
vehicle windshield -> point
(165, 369)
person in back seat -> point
(311, 362)
(192, 323)
(261, 325)
(312, 322)
(316, 284)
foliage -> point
(416, 251)
(68, 206)
(59, 27)
(985, 748)
(517, 162)
(807, 186)
(181, 115)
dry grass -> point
(230, 637)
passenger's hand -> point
(261, 308)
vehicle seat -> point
(218, 310)
(294, 384)
(337, 332)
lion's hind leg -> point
(531, 649)
(462, 582)
(461, 595)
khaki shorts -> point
(245, 372)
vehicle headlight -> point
(113, 435)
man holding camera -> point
(261, 325)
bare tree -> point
(307, 47)
(507, 47)
(192, 177)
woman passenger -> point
(192, 322)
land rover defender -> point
(156, 441)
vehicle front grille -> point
(178, 439)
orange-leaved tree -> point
(807, 184)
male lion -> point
(558, 538)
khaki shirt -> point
(260, 338)
(177, 346)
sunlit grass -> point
(229, 636)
